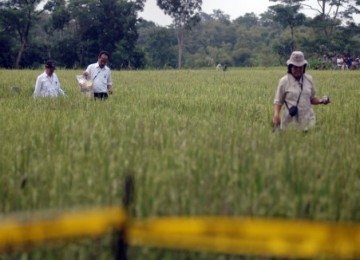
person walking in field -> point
(296, 90)
(48, 84)
(100, 75)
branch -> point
(312, 8)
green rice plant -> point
(198, 142)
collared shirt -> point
(101, 77)
(289, 90)
(47, 86)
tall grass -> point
(198, 142)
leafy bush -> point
(318, 64)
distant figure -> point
(100, 75)
(16, 89)
(355, 64)
(325, 62)
(348, 62)
(47, 83)
(225, 67)
(296, 90)
(218, 67)
(340, 63)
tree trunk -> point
(180, 39)
(20, 53)
(292, 39)
(23, 34)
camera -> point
(293, 111)
(325, 100)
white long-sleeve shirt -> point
(47, 86)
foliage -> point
(328, 13)
(6, 43)
(320, 64)
(108, 25)
(90, 26)
(33, 55)
(18, 16)
(60, 16)
(288, 16)
(161, 48)
(65, 54)
(185, 15)
(328, 9)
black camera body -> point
(293, 111)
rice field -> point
(198, 142)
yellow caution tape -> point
(91, 223)
(282, 238)
(270, 237)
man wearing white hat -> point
(296, 90)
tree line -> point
(72, 32)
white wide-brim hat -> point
(297, 59)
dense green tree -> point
(6, 43)
(158, 43)
(60, 15)
(161, 48)
(251, 42)
(65, 53)
(221, 16)
(19, 16)
(328, 13)
(288, 16)
(185, 15)
(333, 9)
(106, 25)
(249, 20)
(211, 41)
(34, 55)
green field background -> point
(198, 142)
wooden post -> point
(120, 243)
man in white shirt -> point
(47, 84)
(100, 75)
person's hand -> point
(110, 91)
(85, 74)
(276, 120)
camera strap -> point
(96, 74)
(301, 88)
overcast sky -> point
(234, 8)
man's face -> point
(49, 71)
(103, 60)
